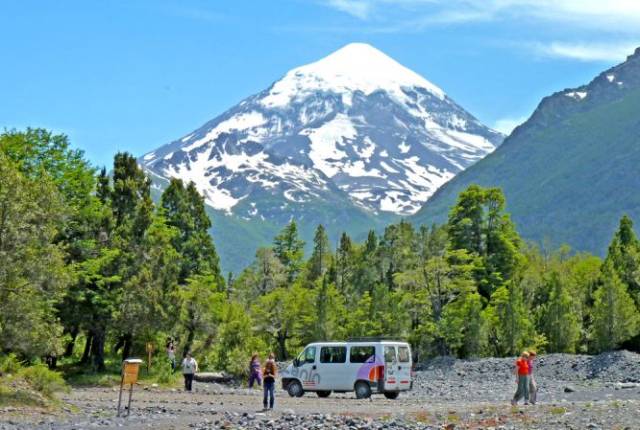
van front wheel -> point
(391, 395)
(295, 389)
(323, 394)
(363, 390)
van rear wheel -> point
(295, 389)
(363, 390)
(391, 395)
(323, 394)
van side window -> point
(403, 354)
(333, 354)
(361, 354)
(310, 355)
(389, 354)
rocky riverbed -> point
(576, 392)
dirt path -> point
(212, 407)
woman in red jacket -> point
(522, 379)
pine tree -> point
(624, 256)
(184, 209)
(290, 250)
(615, 318)
(345, 260)
(321, 256)
(32, 268)
(478, 224)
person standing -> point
(255, 371)
(522, 379)
(171, 355)
(270, 372)
(189, 369)
(533, 387)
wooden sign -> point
(130, 369)
(130, 373)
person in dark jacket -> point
(269, 373)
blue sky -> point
(133, 75)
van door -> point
(306, 370)
(332, 368)
(404, 367)
(390, 368)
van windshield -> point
(308, 355)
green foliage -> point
(321, 256)
(479, 225)
(44, 380)
(560, 320)
(236, 341)
(32, 274)
(615, 317)
(94, 262)
(510, 322)
(9, 364)
(289, 249)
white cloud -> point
(613, 14)
(610, 52)
(608, 26)
(506, 125)
(358, 8)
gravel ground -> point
(576, 392)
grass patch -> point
(422, 417)
(453, 418)
(20, 396)
(557, 410)
(35, 386)
(43, 380)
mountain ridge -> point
(568, 171)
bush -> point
(43, 380)
(9, 364)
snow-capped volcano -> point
(354, 131)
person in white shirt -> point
(189, 369)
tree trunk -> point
(68, 351)
(97, 350)
(282, 345)
(126, 346)
(87, 348)
(191, 334)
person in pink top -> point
(533, 387)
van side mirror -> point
(296, 362)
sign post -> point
(149, 352)
(130, 370)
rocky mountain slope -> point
(351, 141)
(571, 170)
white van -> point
(360, 365)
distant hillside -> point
(572, 169)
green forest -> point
(92, 270)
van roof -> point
(360, 342)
